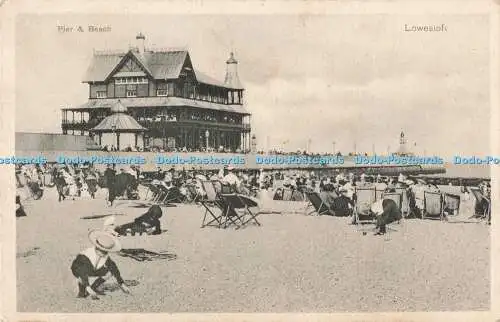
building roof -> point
(163, 64)
(159, 102)
(119, 122)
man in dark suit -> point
(387, 212)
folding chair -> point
(287, 194)
(486, 203)
(315, 201)
(378, 194)
(433, 205)
(165, 196)
(365, 197)
(395, 196)
(211, 199)
(193, 193)
(235, 203)
(218, 186)
(405, 201)
(451, 204)
(151, 190)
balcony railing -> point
(78, 124)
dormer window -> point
(101, 94)
(131, 93)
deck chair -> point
(235, 203)
(396, 196)
(287, 194)
(320, 207)
(433, 205)
(211, 201)
(451, 204)
(165, 195)
(365, 197)
(218, 186)
(193, 192)
(152, 191)
(482, 199)
(405, 201)
(378, 194)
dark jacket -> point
(391, 212)
(83, 268)
(341, 206)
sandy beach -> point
(292, 263)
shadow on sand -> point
(101, 216)
(141, 255)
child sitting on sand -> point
(148, 223)
(95, 262)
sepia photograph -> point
(252, 163)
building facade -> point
(180, 107)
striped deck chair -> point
(287, 194)
(405, 201)
(451, 204)
(433, 205)
(320, 206)
(210, 202)
(365, 197)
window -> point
(101, 94)
(161, 92)
(131, 80)
(131, 93)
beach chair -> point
(320, 207)
(193, 194)
(235, 203)
(485, 203)
(151, 192)
(433, 205)
(165, 196)
(218, 186)
(287, 194)
(405, 201)
(365, 197)
(378, 194)
(395, 196)
(451, 204)
(211, 201)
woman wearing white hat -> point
(95, 262)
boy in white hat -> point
(95, 262)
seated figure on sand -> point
(96, 262)
(148, 223)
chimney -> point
(141, 39)
(232, 79)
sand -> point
(292, 263)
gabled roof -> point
(164, 64)
(160, 65)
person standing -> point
(110, 175)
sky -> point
(356, 80)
